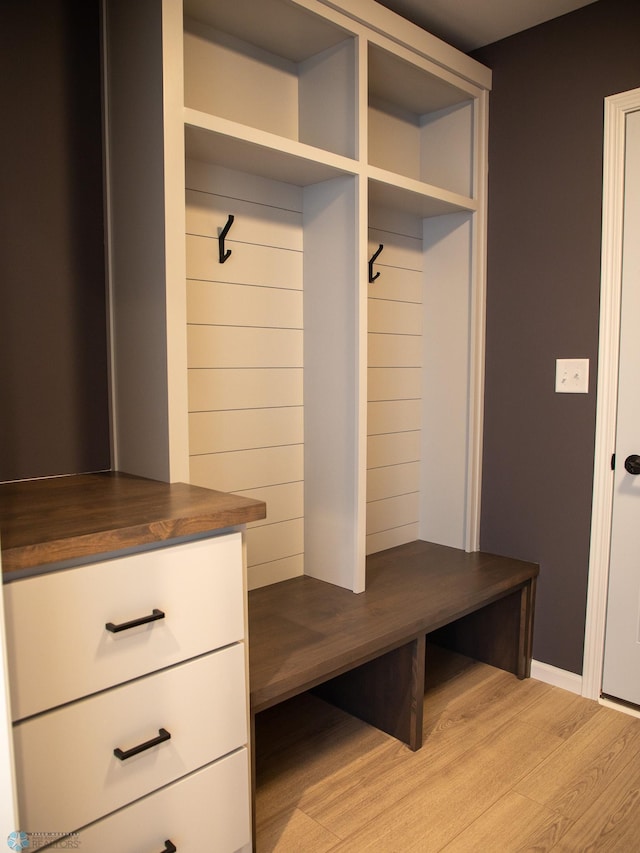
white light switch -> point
(572, 375)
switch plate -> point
(572, 375)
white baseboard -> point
(558, 677)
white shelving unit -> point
(325, 129)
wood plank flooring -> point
(506, 766)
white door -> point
(621, 674)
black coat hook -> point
(373, 277)
(224, 255)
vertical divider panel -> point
(331, 382)
(362, 281)
(447, 140)
(144, 164)
(328, 78)
(446, 378)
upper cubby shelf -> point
(283, 70)
(245, 149)
(421, 125)
(415, 197)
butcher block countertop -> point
(51, 522)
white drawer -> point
(206, 811)
(67, 773)
(59, 648)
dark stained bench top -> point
(304, 631)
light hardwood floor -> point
(507, 765)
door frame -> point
(616, 108)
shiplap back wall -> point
(245, 352)
(394, 381)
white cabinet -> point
(206, 810)
(325, 129)
(194, 589)
(127, 676)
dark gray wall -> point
(545, 191)
(54, 415)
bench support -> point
(386, 692)
(499, 634)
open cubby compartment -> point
(419, 370)
(272, 365)
(280, 69)
(421, 120)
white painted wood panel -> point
(284, 501)
(225, 304)
(244, 389)
(68, 775)
(335, 321)
(394, 139)
(394, 283)
(276, 571)
(197, 585)
(391, 512)
(392, 480)
(394, 317)
(245, 347)
(228, 77)
(389, 350)
(447, 358)
(243, 186)
(394, 357)
(400, 250)
(248, 469)
(393, 224)
(393, 448)
(327, 109)
(237, 346)
(447, 142)
(394, 416)
(216, 432)
(210, 804)
(390, 538)
(276, 541)
(263, 266)
(394, 383)
(264, 224)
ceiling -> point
(468, 24)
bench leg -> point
(499, 634)
(387, 692)
(525, 645)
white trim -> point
(477, 328)
(557, 677)
(616, 108)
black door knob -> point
(632, 463)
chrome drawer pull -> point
(124, 626)
(163, 735)
(169, 847)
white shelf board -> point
(236, 146)
(388, 189)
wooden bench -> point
(366, 653)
